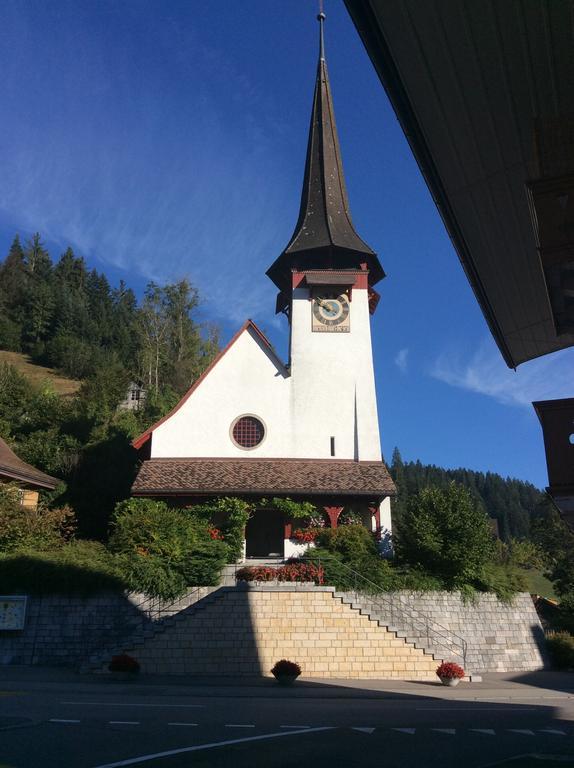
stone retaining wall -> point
(62, 630)
(501, 637)
(246, 630)
(69, 630)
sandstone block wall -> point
(246, 631)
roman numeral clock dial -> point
(331, 313)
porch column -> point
(333, 514)
(376, 513)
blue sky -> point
(164, 139)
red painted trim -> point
(333, 514)
(288, 530)
(248, 325)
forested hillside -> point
(69, 318)
(511, 502)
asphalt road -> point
(97, 725)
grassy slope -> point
(539, 584)
(37, 374)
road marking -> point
(364, 730)
(294, 726)
(57, 720)
(124, 704)
(238, 725)
(124, 722)
(476, 709)
(405, 730)
(191, 725)
(213, 745)
(524, 731)
(489, 731)
(551, 730)
(450, 731)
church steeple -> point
(324, 237)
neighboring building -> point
(484, 93)
(30, 481)
(255, 427)
(134, 399)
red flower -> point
(215, 533)
(450, 669)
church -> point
(257, 427)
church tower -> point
(254, 427)
(325, 278)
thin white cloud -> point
(546, 378)
(401, 359)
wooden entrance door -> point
(265, 533)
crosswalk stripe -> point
(405, 730)
(524, 731)
(364, 730)
(553, 731)
(451, 731)
(489, 731)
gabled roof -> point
(13, 468)
(308, 477)
(249, 325)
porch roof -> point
(308, 477)
(12, 468)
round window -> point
(247, 431)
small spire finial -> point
(321, 18)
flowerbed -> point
(292, 572)
(305, 535)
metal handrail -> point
(419, 621)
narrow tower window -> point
(332, 446)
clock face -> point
(331, 312)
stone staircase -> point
(243, 630)
(159, 620)
(412, 626)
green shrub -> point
(353, 542)
(163, 550)
(445, 533)
(504, 580)
(79, 567)
(561, 649)
(30, 527)
(234, 514)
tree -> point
(446, 533)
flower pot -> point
(286, 679)
(450, 681)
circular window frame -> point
(244, 416)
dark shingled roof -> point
(13, 468)
(159, 477)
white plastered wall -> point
(246, 380)
(333, 384)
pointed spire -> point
(324, 236)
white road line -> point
(124, 704)
(294, 726)
(238, 725)
(191, 725)
(554, 732)
(450, 731)
(213, 745)
(523, 731)
(489, 731)
(411, 731)
(124, 722)
(475, 709)
(364, 730)
(57, 720)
